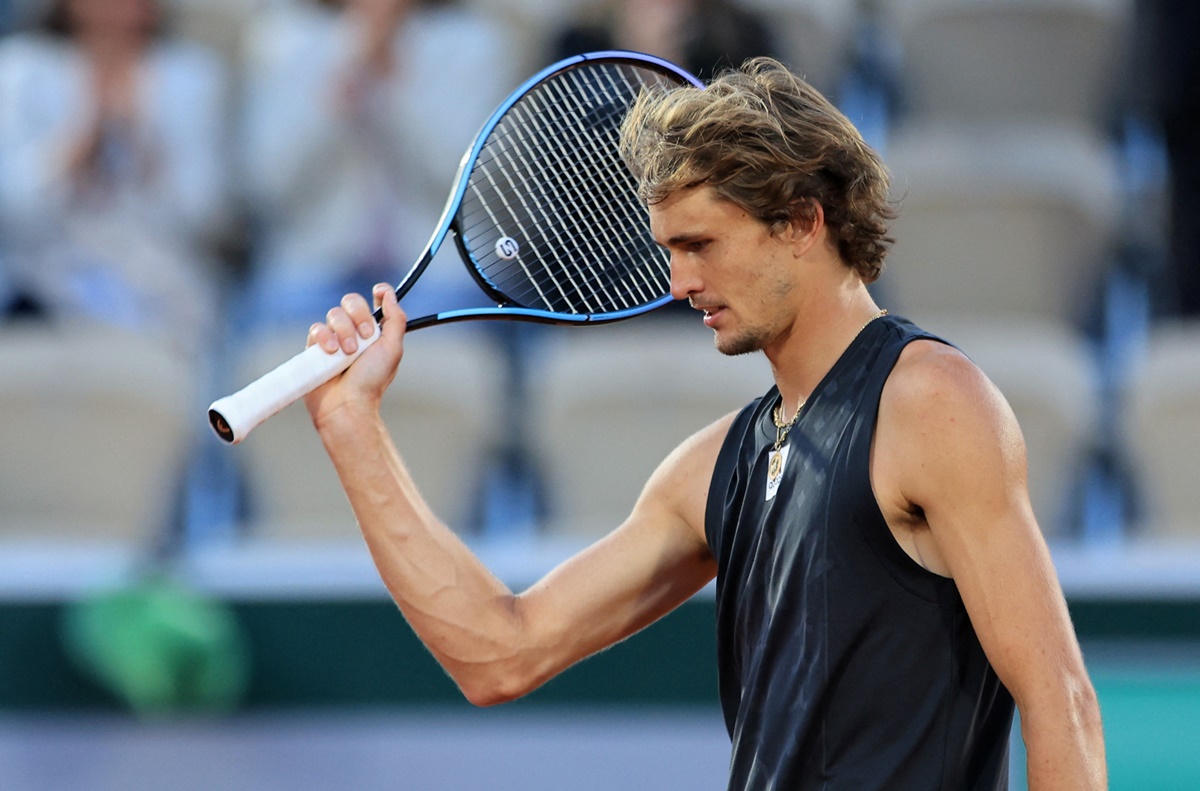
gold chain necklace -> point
(782, 429)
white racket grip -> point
(235, 416)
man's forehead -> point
(685, 200)
(675, 219)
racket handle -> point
(235, 416)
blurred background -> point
(185, 185)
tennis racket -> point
(544, 214)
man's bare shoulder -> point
(928, 367)
(934, 379)
(941, 418)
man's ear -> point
(806, 226)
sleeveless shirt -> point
(842, 663)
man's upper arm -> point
(649, 565)
(964, 470)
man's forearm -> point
(1065, 744)
(459, 609)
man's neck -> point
(822, 333)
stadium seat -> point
(1161, 430)
(1004, 221)
(1010, 59)
(96, 422)
(1049, 377)
(443, 409)
(611, 402)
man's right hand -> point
(361, 386)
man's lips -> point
(711, 313)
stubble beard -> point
(746, 342)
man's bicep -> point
(652, 563)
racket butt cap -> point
(221, 426)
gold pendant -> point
(775, 466)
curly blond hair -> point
(769, 142)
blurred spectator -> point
(1173, 56)
(703, 36)
(111, 174)
(357, 115)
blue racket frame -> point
(446, 223)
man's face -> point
(729, 265)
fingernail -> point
(366, 329)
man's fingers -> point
(360, 313)
(385, 298)
(344, 328)
(354, 318)
(319, 334)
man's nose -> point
(684, 282)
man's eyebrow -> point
(682, 238)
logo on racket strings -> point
(507, 248)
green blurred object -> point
(160, 647)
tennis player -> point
(884, 593)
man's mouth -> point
(711, 312)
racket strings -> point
(528, 207)
(590, 195)
(551, 216)
(542, 186)
(582, 214)
(618, 191)
(620, 179)
(535, 144)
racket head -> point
(545, 213)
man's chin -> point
(736, 345)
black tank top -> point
(842, 663)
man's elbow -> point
(1085, 707)
(517, 665)
(1090, 727)
(495, 688)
